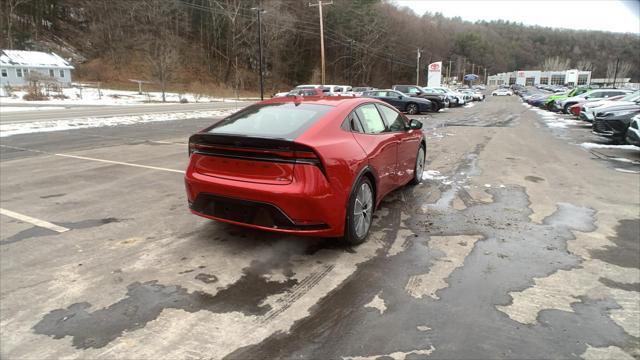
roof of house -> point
(32, 59)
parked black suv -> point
(438, 100)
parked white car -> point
(502, 92)
(299, 87)
(633, 133)
(589, 96)
(454, 96)
(588, 110)
(340, 90)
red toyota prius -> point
(316, 166)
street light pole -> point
(260, 11)
(418, 51)
(319, 4)
(615, 74)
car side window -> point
(393, 119)
(352, 123)
(413, 90)
(370, 118)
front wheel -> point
(359, 212)
(412, 109)
(419, 168)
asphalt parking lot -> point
(521, 242)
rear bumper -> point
(296, 208)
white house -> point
(16, 66)
(536, 77)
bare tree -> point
(623, 69)
(585, 65)
(161, 42)
(12, 7)
(556, 63)
(163, 55)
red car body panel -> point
(575, 109)
(313, 198)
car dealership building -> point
(572, 77)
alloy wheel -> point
(363, 210)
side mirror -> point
(399, 96)
(415, 124)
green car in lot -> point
(557, 97)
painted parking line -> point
(33, 221)
(95, 159)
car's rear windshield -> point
(274, 121)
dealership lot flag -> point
(435, 74)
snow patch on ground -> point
(470, 105)
(627, 171)
(7, 109)
(432, 175)
(83, 123)
(91, 96)
(377, 303)
(553, 121)
(588, 146)
(398, 355)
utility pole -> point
(615, 74)
(319, 4)
(473, 66)
(449, 72)
(418, 51)
(485, 77)
(260, 11)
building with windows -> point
(536, 77)
(17, 67)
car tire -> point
(419, 167)
(359, 212)
(412, 109)
(565, 109)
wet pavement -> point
(520, 243)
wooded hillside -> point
(372, 42)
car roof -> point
(319, 100)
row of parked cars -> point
(615, 113)
(411, 99)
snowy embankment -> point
(93, 122)
(91, 96)
(8, 109)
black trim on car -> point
(248, 212)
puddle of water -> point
(626, 252)
(145, 301)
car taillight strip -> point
(304, 157)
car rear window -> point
(278, 121)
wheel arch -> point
(370, 173)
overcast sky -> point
(606, 15)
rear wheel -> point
(359, 212)
(412, 109)
(419, 168)
(566, 108)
